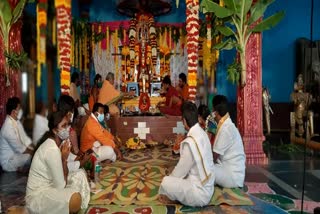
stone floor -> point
(283, 174)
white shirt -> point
(15, 138)
(46, 170)
(192, 180)
(40, 127)
(228, 144)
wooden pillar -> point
(249, 104)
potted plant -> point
(237, 20)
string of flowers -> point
(192, 26)
(63, 11)
(42, 7)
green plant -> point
(16, 60)
(7, 19)
(239, 19)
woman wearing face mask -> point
(94, 136)
(94, 92)
(51, 187)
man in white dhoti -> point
(192, 180)
(51, 188)
(15, 145)
(228, 152)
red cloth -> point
(175, 108)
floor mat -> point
(131, 186)
(136, 180)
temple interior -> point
(265, 59)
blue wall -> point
(278, 45)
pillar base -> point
(254, 150)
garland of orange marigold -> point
(192, 27)
(63, 11)
(41, 37)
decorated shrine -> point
(140, 51)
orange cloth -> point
(107, 93)
(93, 98)
(93, 131)
(184, 93)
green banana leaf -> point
(225, 30)
(17, 11)
(245, 6)
(258, 10)
(269, 22)
(5, 12)
(208, 6)
(231, 4)
(225, 45)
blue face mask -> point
(100, 117)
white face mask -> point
(63, 134)
(20, 114)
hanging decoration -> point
(192, 26)
(63, 11)
(41, 38)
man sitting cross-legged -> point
(228, 149)
(16, 148)
(94, 136)
(192, 180)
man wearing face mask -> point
(94, 136)
(16, 147)
(104, 123)
(40, 123)
(228, 152)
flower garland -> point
(192, 26)
(153, 43)
(125, 67)
(42, 7)
(132, 41)
(63, 11)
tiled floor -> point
(283, 174)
